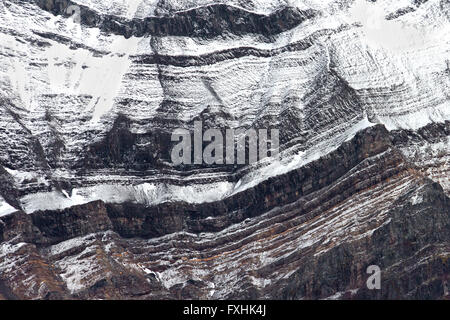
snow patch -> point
(99, 77)
(5, 208)
(391, 34)
(146, 194)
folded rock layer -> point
(92, 207)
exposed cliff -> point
(91, 205)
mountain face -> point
(93, 207)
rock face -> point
(91, 205)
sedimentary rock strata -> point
(91, 205)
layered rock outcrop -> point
(91, 205)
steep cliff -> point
(91, 205)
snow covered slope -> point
(65, 85)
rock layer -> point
(92, 207)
